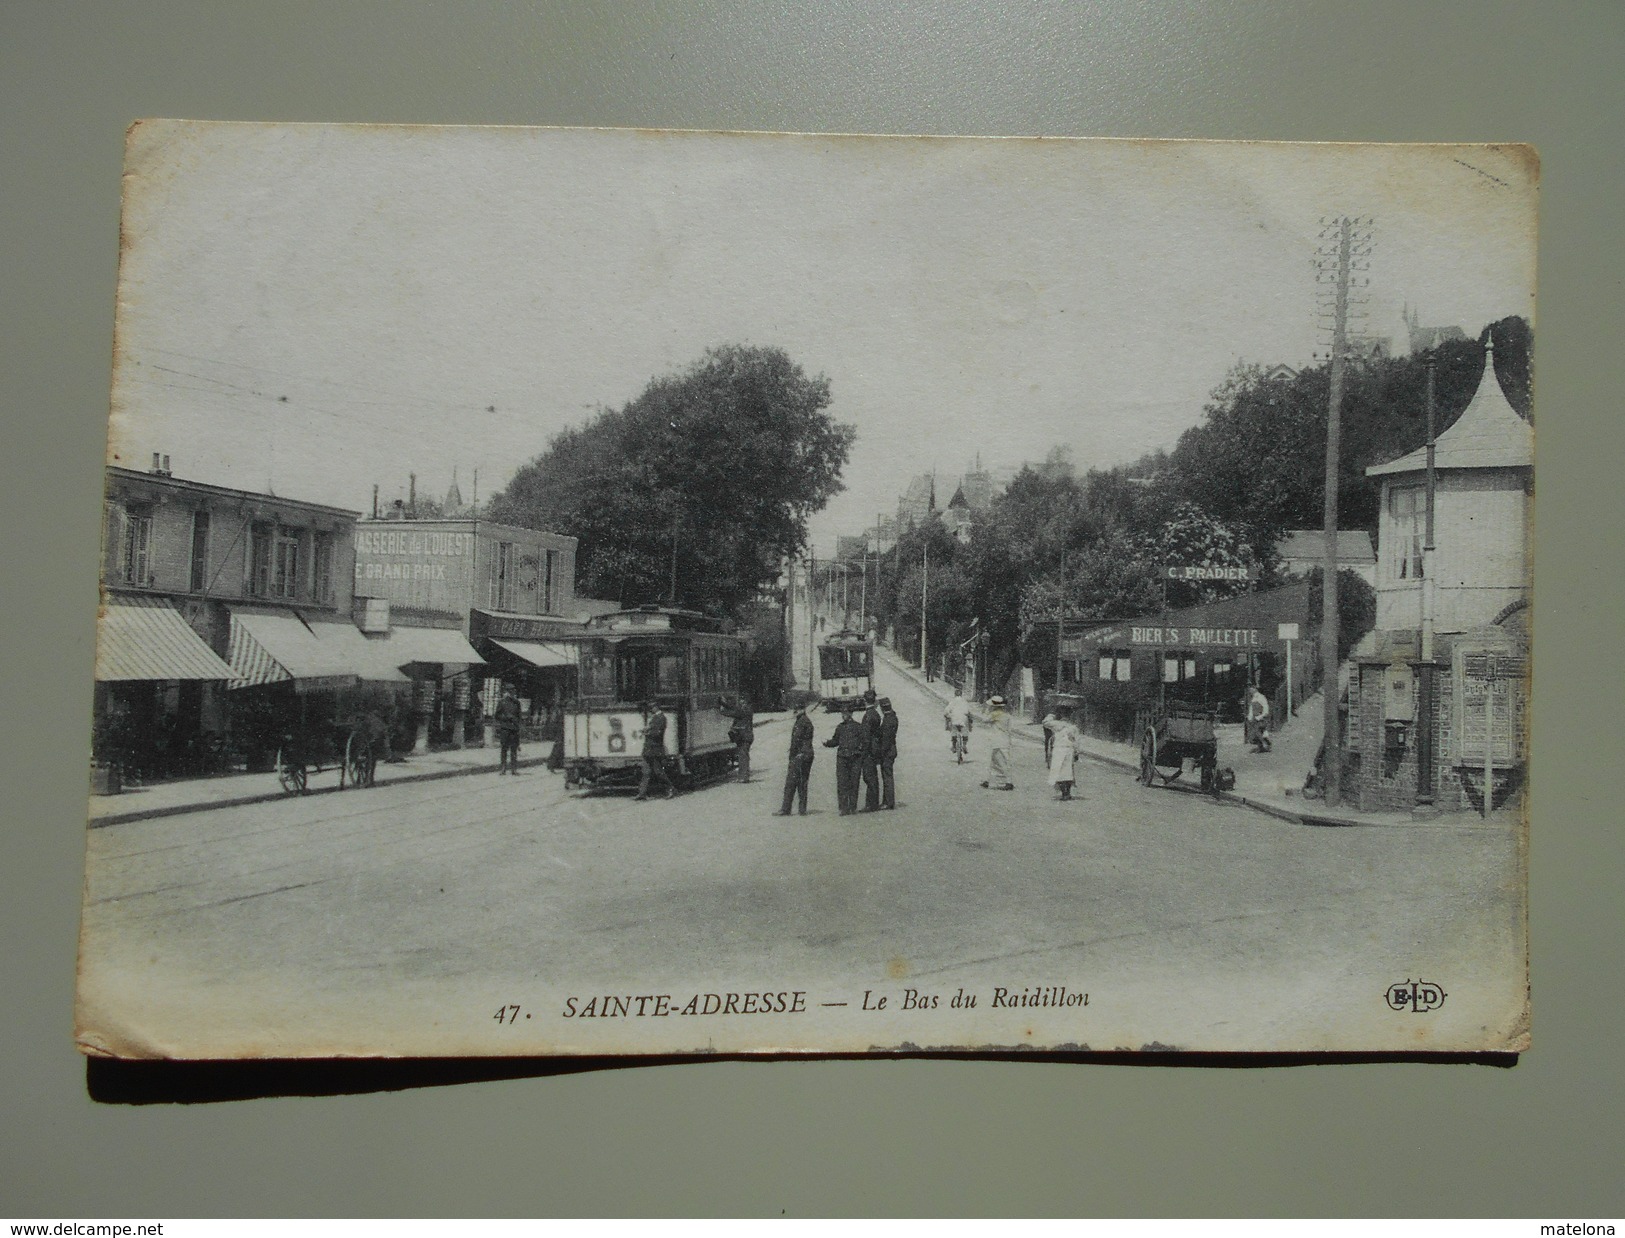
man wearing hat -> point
(654, 750)
(851, 746)
(508, 722)
(998, 760)
(871, 753)
(888, 753)
(799, 771)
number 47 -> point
(506, 1014)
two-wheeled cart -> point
(311, 750)
(1177, 734)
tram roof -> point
(654, 620)
(845, 638)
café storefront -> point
(535, 655)
(1209, 655)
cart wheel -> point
(291, 774)
(1148, 757)
(354, 767)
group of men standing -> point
(865, 751)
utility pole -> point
(812, 663)
(863, 591)
(1345, 248)
(1060, 621)
(1424, 736)
(674, 558)
(925, 576)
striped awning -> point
(146, 638)
(270, 647)
(540, 653)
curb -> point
(266, 797)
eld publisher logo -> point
(1417, 996)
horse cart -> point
(1178, 734)
(353, 749)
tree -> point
(695, 491)
(1257, 459)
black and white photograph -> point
(636, 592)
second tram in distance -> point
(846, 670)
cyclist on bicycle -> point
(958, 718)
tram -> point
(682, 661)
(846, 670)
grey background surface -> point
(883, 1137)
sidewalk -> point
(1269, 782)
(230, 790)
(166, 799)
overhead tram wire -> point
(395, 397)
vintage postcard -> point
(630, 592)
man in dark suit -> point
(888, 753)
(799, 770)
(871, 754)
(654, 750)
(742, 732)
(851, 745)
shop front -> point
(536, 657)
(157, 681)
(1206, 655)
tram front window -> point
(641, 673)
(839, 662)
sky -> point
(318, 309)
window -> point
(285, 564)
(1115, 664)
(1178, 667)
(259, 561)
(550, 566)
(672, 673)
(1407, 506)
(135, 559)
(322, 568)
(502, 577)
(200, 551)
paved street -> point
(403, 916)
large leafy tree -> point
(695, 491)
(1257, 459)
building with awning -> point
(141, 639)
(1202, 654)
(269, 647)
(179, 557)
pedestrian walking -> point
(654, 750)
(742, 734)
(998, 759)
(798, 773)
(1258, 720)
(509, 721)
(957, 718)
(888, 753)
(871, 753)
(850, 744)
(1063, 735)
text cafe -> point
(1208, 654)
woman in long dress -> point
(1063, 751)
